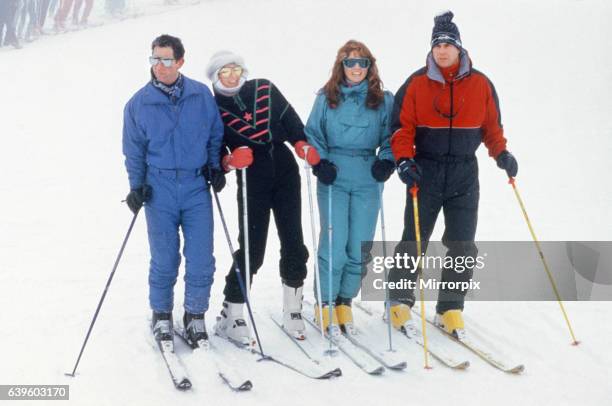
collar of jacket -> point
(465, 67)
(355, 92)
(155, 96)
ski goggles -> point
(363, 63)
(167, 62)
(226, 72)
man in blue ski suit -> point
(172, 137)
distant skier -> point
(350, 126)
(258, 121)
(172, 137)
(441, 115)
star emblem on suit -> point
(248, 116)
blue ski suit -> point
(166, 145)
(348, 136)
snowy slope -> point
(62, 180)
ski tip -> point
(399, 366)
(246, 386)
(184, 384)
(462, 365)
(517, 369)
(331, 374)
(377, 371)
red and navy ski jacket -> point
(436, 117)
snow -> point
(63, 180)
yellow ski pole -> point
(414, 190)
(546, 268)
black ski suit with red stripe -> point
(440, 122)
(260, 117)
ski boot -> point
(292, 312)
(232, 326)
(344, 312)
(195, 330)
(452, 322)
(161, 324)
(401, 318)
(329, 328)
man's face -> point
(445, 55)
(166, 75)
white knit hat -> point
(219, 60)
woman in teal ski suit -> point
(349, 126)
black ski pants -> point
(273, 186)
(449, 183)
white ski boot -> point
(231, 324)
(292, 312)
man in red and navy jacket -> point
(442, 113)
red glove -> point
(240, 158)
(306, 151)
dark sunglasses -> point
(167, 62)
(351, 62)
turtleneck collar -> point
(348, 87)
(228, 91)
(450, 73)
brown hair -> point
(375, 87)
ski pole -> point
(384, 241)
(245, 222)
(414, 190)
(108, 282)
(238, 276)
(330, 229)
(314, 238)
(512, 182)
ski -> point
(205, 350)
(389, 359)
(307, 371)
(477, 348)
(173, 363)
(305, 346)
(357, 355)
(434, 348)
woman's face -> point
(355, 71)
(229, 75)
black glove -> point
(409, 171)
(215, 178)
(382, 169)
(138, 196)
(507, 161)
(325, 171)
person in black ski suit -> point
(258, 121)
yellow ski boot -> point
(326, 325)
(401, 319)
(452, 322)
(344, 312)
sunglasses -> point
(167, 62)
(363, 63)
(226, 72)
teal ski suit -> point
(351, 136)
